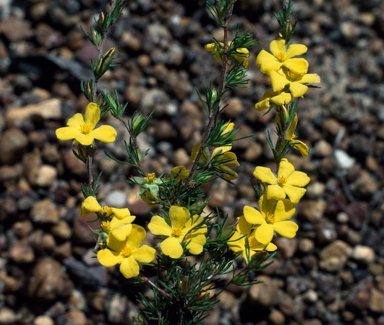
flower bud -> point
(197, 207)
(214, 96)
(136, 124)
(101, 18)
(239, 279)
(140, 320)
(185, 285)
(288, 27)
(258, 259)
(227, 233)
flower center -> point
(176, 232)
(270, 218)
(150, 177)
(106, 210)
(280, 57)
(291, 75)
(106, 225)
(85, 129)
(126, 251)
(281, 181)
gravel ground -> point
(331, 273)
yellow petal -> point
(182, 171)
(211, 47)
(243, 226)
(286, 169)
(158, 226)
(263, 57)
(277, 47)
(264, 233)
(116, 222)
(171, 247)
(298, 179)
(232, 158)
(67, 133)
(253, 216)
(262, 105)
(295, 49)
(108, 258)
(266, 206)
(284, 210)
(179, 216)
(129, 268)
(271, 247)
(91, 204)
(92, 115)
(236, 244)
(217, 152)
(193, 222)
(136, 237)
(297, 89)
(268, 66)
(265, 175)
(121, 213)
(84, 211)
(196, 243)
(301, 146)
(116, 245)
(286, 228)
(122, 232)
(85, 139)
(278, 81)
(299, 66)
(194, 152)
(282, 99)
(104, 133)
(144, 254)
(275, 192)
(310, 78)
(76, 121)
(294, 193)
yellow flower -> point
(272, 218)
(218, 154)
(179, 231)
(237, 244)
(90, 205)
(295, 82)
(290, 136)
(279, 98)
(282, 58)
(128, 253)
(82, 128)
(288, 182)
(182, 171)
(239, 54)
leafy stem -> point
(135, 146)
(213, 114)
(100, 48)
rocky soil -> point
(331, 273)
